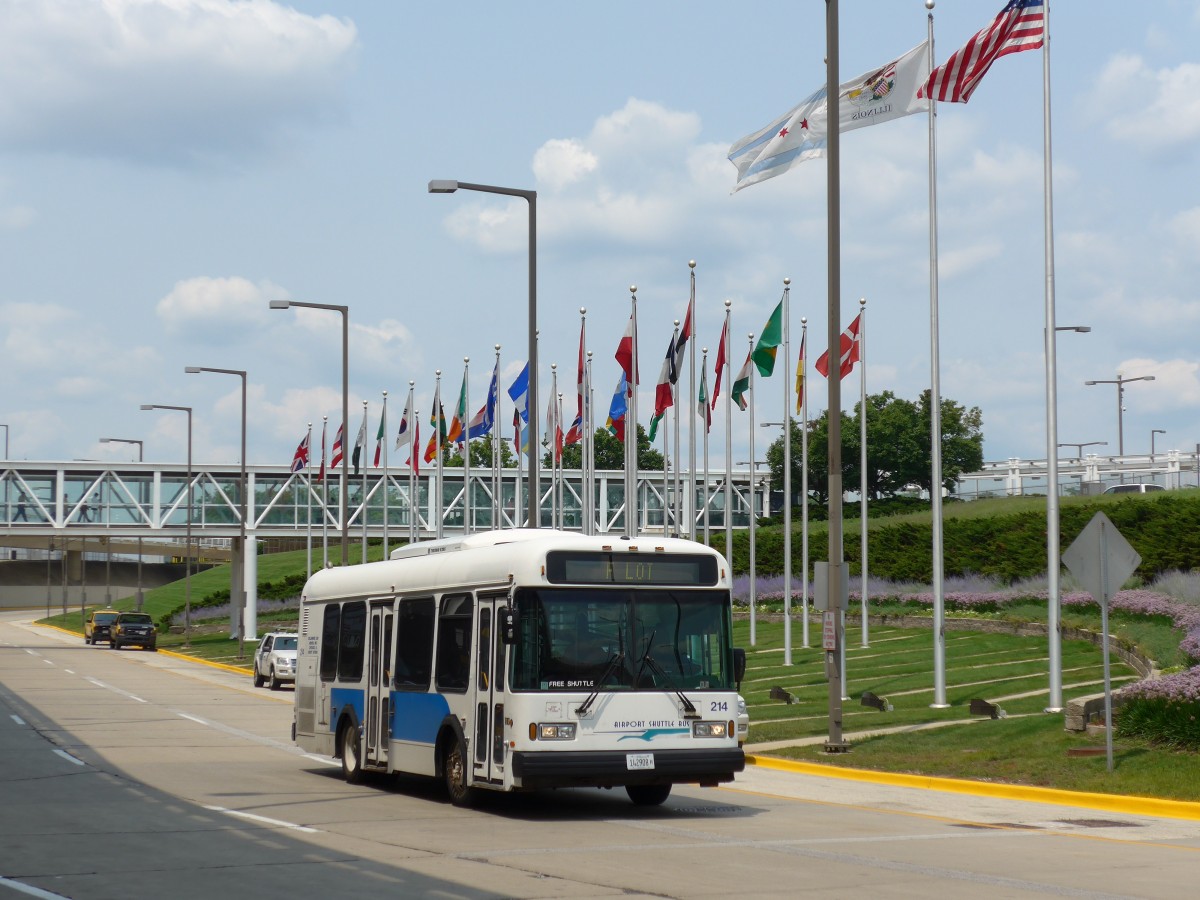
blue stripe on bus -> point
(417, 717)
(339, 699)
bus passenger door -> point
(487, 742)
(379, 682)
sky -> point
(169, 167)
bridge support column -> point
(250, 570)
(237, 579)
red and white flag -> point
(1019, 26)
(848, 346)
(337, 449)
(624, 354)
(321, 474)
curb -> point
(1143, 806)
(237, 670)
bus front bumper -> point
(611, 768)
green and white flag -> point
(741, 384)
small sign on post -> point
(1102, 559)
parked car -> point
(1134, 488)
(132, 629)
(275, 660)
(97, 626)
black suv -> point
(134, 629)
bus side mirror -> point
(508, 626)
(739, 665)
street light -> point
(244, 620)
(1120, 382)
(345, 311)
(112, 440)
(449, 187)
(1153, 432)
(1079, 447)
(187, 564)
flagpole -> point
(1053, 538)
(753, 469)
(787, 475)
(414, 474)
(413, 450)
(935, 411)
(729, 452)
(804, 474)
(438, 419)
(690, 506)
(308, 513)
(520, 464)
(631, 437)
(558, 461)
(497, 477)
(550, 432)
(589, 448)
(362, 458)
(704, 483)
(466, 426)
(677, 506)
(862, 441)
(324, 500)
(386, 487)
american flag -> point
(1019, 26)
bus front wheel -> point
(351, 760)
(648, 794)
(454, 768)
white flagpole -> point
(753, 470)
(363, 460)
(551, 426)
(704, 482)
(935, 417)
(862, 441)
(466, 426)
(386, 486)
(787, 474)
(729, 449)
(517, 508)
(631, 436)
(438, 417)
(589, 448)
(677, 507)
(561, 494)
(412, 477)
(690, 507)
(1053, 559)
(324, 500)
(497, 455)
(804, 477)
(308, 510)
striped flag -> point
(703, 410)
(741, 384)
(337, 448)
(380, 433)
(1019, 26)
(663, 396)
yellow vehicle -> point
(97, 626)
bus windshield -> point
(585, 639)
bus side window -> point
(352, 640)
(454, 643)
(330, 626)
(414, 644)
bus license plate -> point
(639, 760)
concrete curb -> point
(239, 670)
(1142, 806)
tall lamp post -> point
(449, 187)
(1153, 432)
(345, 311)
(112, 440)
(5, 427)
(1053, 538)
(187, 565)
(1120, 381)
(1079, 447)
(244, 621)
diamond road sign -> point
(1101, 558)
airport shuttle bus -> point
(525, 659)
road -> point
(135, 774)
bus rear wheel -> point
(351, 760)
(454, 768)
(648, 794)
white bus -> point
(525, 659)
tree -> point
(899, 457)
(609, 453)
(481, 455)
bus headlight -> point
(710, 729)
(556, 731)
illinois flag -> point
(883, 94)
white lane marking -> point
(69, 671)
(67, 756)
(291, 826)
(191, 718)
(47, 662)
(28, 889)
(116, 690)
(17, 719)
(324, 760)
(32, 652)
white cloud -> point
(1150, 108)
(560, 162)
(15, 218)
(1185, 227)
(165, 80)
(1176, 383)
(209, 309)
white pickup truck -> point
(275, 660)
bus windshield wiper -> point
(618, 659)
(648, 662)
